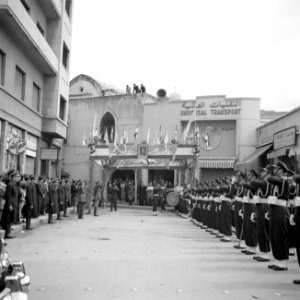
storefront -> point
(281, 138)
(222, 129)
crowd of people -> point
(153, 194)
(263, 205)
(23, 197)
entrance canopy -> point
(143, 156)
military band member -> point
(296, 219)
(239, 179)
(249, 208)
(279, 218)
(228, 193)
(263, 191)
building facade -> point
(35, 44)
(223, 129)
(280, 138)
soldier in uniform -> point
(263, 190)
(249, 229)
(238, 207)
(229, 191)
(279, 218)
(296, 219)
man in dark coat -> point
(40, 195)
(61, 198)
(52, 202)
(27, 209)
(11, 196)
(35, 207)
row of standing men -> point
(23, 197)
(263, 205)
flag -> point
(106, 137)
(197, 135)
(166, 137)
(136, 133)
(84, 140)
(161, 137)
(175, 135)
(148, 136)
(94, 127)
(112, 134)
(115, 139)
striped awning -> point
(216, 163)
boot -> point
(95, 212)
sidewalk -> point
(43, 219)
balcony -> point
(54, 127)
(51, 8)
(19, 26)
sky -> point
(237, 48)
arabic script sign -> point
(219, 107)
(284, 138)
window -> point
(36, 95)
(65, 59)
(62, 108)
(20, 83)
(68, 6)
(2, 66)
(40, 28)
(26, 6)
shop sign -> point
(48, 154)
(216, 108)
(16, 145)
(31, 142)
(285, 138)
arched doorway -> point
(107, 126)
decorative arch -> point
(107, 127)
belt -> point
(225, 199)
(246, 199)
(273, 200)
(262, 201)
(238, 199)
(217, 200)
(297, 201)
(255, 199)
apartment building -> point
(35, 44)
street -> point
(131, 254)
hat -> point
(26, 177)
(269, 169)
(40, 178)
(281, 165)
(290, 173)
(11, 172)
(254, 172)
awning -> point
(253, 156)
(184, 153)
(216, 163)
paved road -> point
(131, 254)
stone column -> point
(58, 165)
(3, 145)
(37, 169)
(135, 185)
